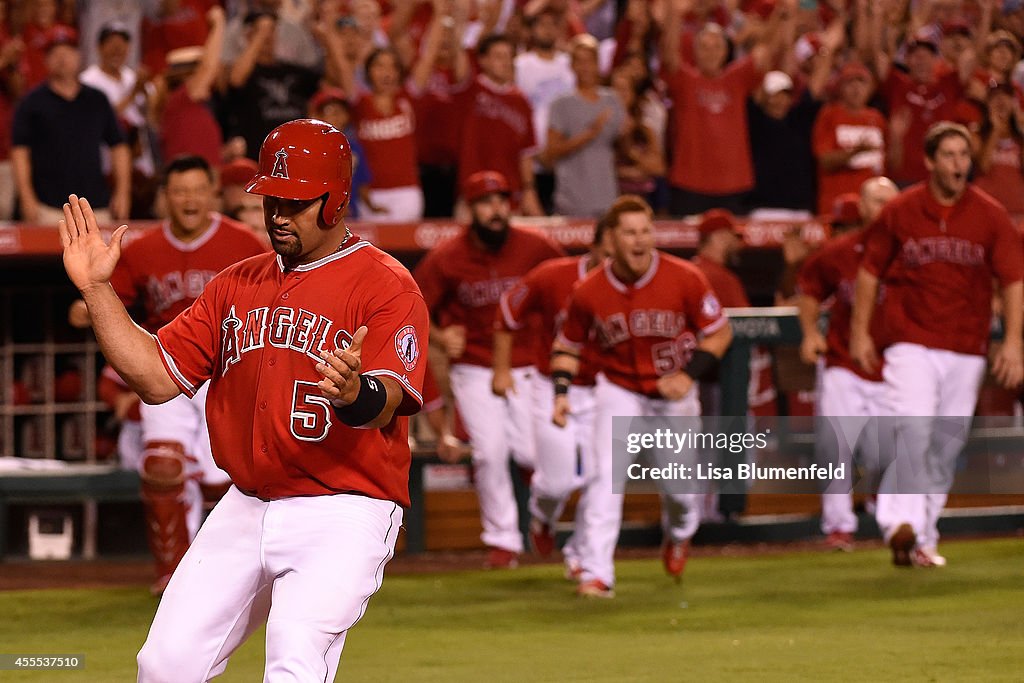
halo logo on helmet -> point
(281, 165)
(306, 160)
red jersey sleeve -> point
(190, 344)
(1008, 252)
(515, 304)
(430, 277)
(811, 280)
(395, 340)
(578, 321)
(880, 245)
(701, 304)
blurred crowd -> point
(747, 105)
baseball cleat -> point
(927, 557)
(542, 537)
(499, 558)
(901, 543)
(674, 556)
(594, 588)
(839, 540)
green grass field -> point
(786, 617)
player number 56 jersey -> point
(645, 330)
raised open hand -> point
(88, 260)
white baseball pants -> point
(853, 400)
(925, 384)
(307, 566)
(602, 517)
(397, 205)
(496, 426)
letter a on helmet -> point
(304, 160)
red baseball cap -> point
(846, 209)
(483, 183)
(325, 96)
(715, 220)
(238, 172)
(59, 34)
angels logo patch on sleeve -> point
(710, 306)
(407, 346)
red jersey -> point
(189, 127)
(164, 275)
(437, 129)
(497, 130)
(256, 333)
(937, 264)
(645, 330)
(545, 291)
(928, 104)
(838, 128)
(831, 272)
(388, 140)
(1004, 180)
(724, 283)
(462, 283)
(711, 152)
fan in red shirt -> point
(711, 161)
(497, 125)
(658, 329)
(462, 280)
(844, 389)
(916, 100)
(936, 249)
(159, 275)
(564, 456)
(849, 138)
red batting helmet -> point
(483, 183)
(303, 160)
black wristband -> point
(702, 366)
(562, 380)
(369, 403)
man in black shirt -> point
(780, 143)
(59, 128)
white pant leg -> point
(962, 376)
(399, 205)
(912, 391)
(602, 517)
(584, 406)
(216, 597)
(519, 428)
(556, 474)
(130, 445)
(855, 401)
(328, 554)
(680, 512)
(486, 417)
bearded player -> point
(462, 280)
(160, 275)
(313, 358)
(659, 330)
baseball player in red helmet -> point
(659, 330)
(462, 280)
(936, 249)
(313, 358)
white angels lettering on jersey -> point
(285, 327)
